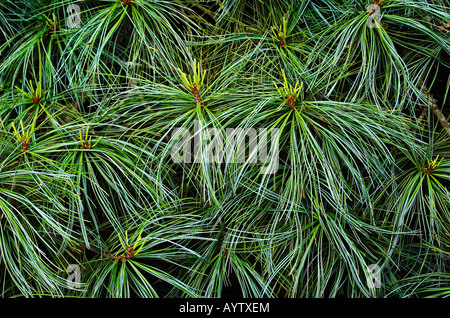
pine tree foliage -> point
(354, 93)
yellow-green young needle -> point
(121, 243)
(137, 240)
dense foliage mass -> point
(354, 93)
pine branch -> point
(437, 112)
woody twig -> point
(436, 110)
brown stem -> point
(196, 92)
(422, 115)
(437, 112)
(104, 254)
(441, 117)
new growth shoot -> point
(195, 83)
(432, 165)
(289, 93)
(131, 251)
(85, 143)
(24, 138)
(281, 33)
